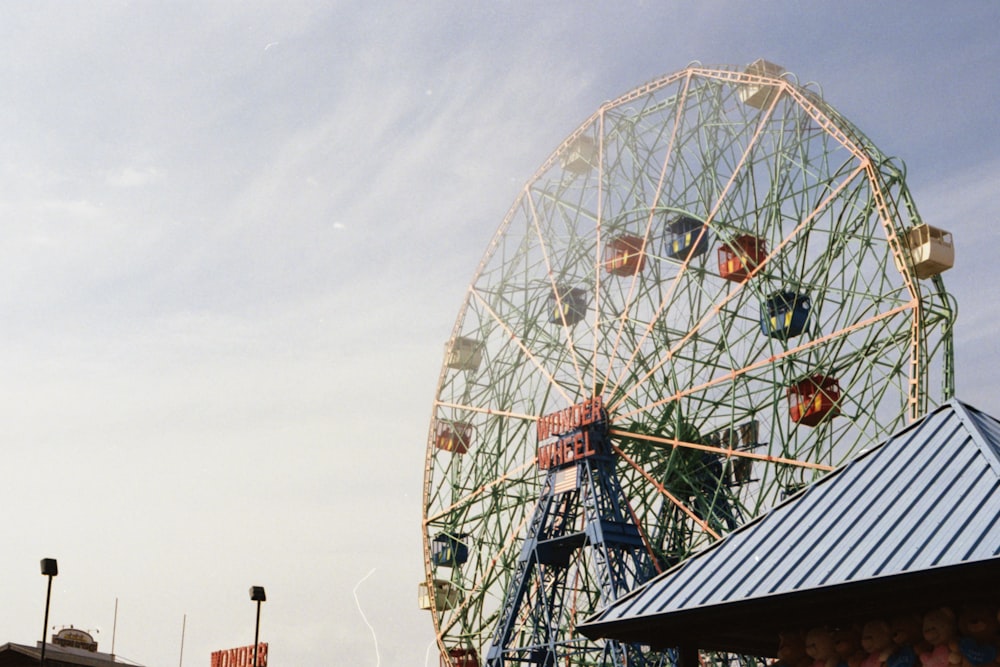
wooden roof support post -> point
(687, 656)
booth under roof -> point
(911, 524)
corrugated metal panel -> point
(927, 498)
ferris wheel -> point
(715, 290)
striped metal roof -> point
(926, 500)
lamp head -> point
(257, 594)
(50, 567)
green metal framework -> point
(586, 290)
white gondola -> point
(463, 354)
(759, 95)
(932, 250)
(444, 596)
(581, 155)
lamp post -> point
(50, 568)
(257, 595)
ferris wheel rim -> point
(847, 136)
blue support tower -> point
(582, 550)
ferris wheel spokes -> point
(799, 229)
(726, 389)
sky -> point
(235, 236)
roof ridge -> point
(973, 419)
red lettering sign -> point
(240, 657)
(567, 449)
(572, 418)
(572, 427)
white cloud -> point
(132, 177)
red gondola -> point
(814, 399)
(739, 258)
(453, 437)
(624, 256)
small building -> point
(909, 525)
(21, 655)
(69, 646)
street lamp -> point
(50, 568)
(258, 595)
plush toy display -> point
(939, 631)
(977, 636)
(907, 640)
(876, 641)
(792, 651)
(937, 638)
(820, 647)
(847, 644)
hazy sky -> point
(235, 236)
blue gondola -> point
(685, 238)
(784, 315)
(569, 305)
(448, 550)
